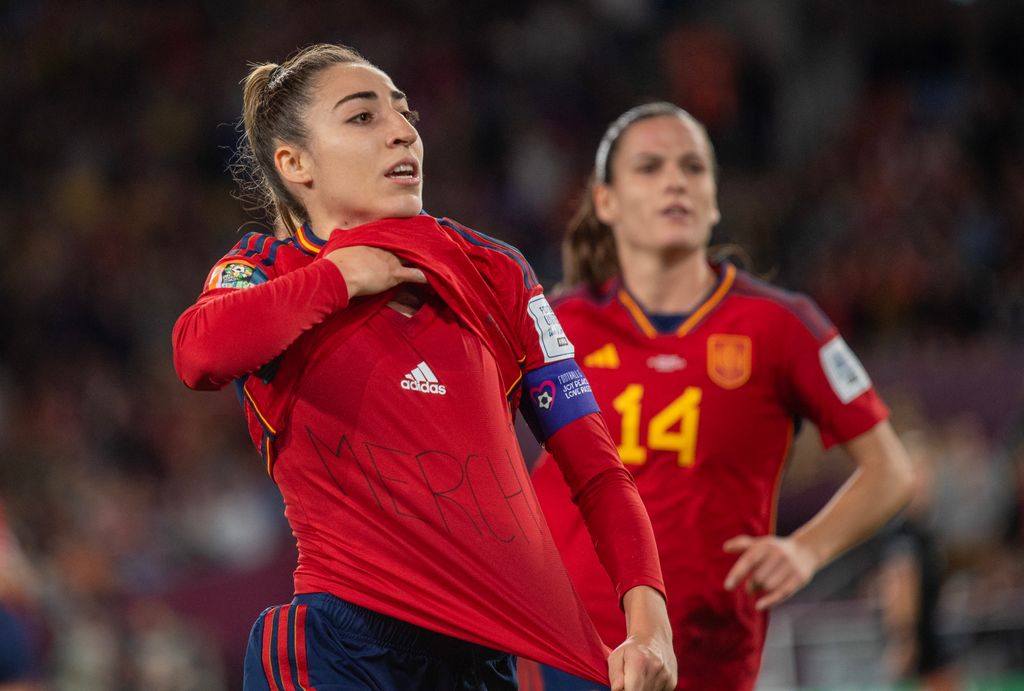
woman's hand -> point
(644, 661)
(774, 567)
(880, 486)
(371, 270)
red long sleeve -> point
(609, 502)
(231, 332)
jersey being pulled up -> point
(395, 449)
(704, 417)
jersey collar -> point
(307, 241)
(310, 243)
(726, 277)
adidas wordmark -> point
(422, 378)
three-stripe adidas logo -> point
(422, 378)
(605, 357)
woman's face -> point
(363, 159)
(663, 196)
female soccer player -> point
(701, 372)
(379, 354)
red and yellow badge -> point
(729, 360)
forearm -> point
(646, 612)
(609, 503)
(644, 660)
(227, 335)
(876, 491)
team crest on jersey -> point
(729, 360)
(544, 395)
(236, 275)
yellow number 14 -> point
(662, 434)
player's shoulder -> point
(263, 249)
(785, 305)
(583, 301)
(255, 258)
(491, 254)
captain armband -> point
(554, 396)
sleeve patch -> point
(557, 394)
(843, 369)
(553, 342)
(235, 274)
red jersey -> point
(391, 438)
(704, 418)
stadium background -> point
(872, 155)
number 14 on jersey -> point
(674, 428)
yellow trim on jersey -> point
(248, 397)
(518, 379)
(710, 303)
(638, 314)
(300, 235)
(716, 297)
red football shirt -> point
(394, 447)
(704, 419)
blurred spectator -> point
(911, 575)
(21, 654)
(973, 502)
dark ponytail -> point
(588, 250)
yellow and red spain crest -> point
(729, 360)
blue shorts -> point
(16, 654)
(324, 643)
(534, 676)
(557, 680)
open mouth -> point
(676, 211)
(406, 171)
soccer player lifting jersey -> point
(380, 355)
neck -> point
(667, 284)
(323, 224)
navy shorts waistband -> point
(387, 631)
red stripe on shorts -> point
(282, 649)
(530, 677)
(301, 665)
(268, 632)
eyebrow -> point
(369, 95)
(651, 155)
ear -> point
(716, 214)
(606, 205)
(293, 164)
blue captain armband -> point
(554, 396)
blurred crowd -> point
(871, 154)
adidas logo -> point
(422, 378)
(606, 357)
